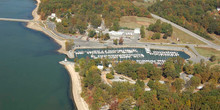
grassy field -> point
(184, 37)
(216, 38)
(208, 52)
(137, 22)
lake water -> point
(30, 76)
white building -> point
(100, 67)
(161, 82)
(52, 16)
(218, 9)
(58, 20)
(147, 89)
(137, 31)
(116, 33)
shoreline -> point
(36, 26)
(74, 76)
(76, 84)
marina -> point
(140, 55)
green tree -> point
(81, 26)
(166, 29)
(109, 76)
(215, 73)
(93, 77)
(169, 70)
(106, 36)
(115, 41)
(156, 73)
(142, 73)
(188, 68)
(178, 84)
(76, 68)
(195, 81)
(142, 32)
(96, 21)
(126, 104)
(92, 33)
(212, 58)
(155, 36)
(115, 26)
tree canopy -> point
(196, 15)
(77, 14)
(125, 96)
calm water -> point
(146, 56)
(30, 76)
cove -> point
(30, 76)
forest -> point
(77, 14)
(126, 96)
(199, 16)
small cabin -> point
(58, 20)
(100, 67)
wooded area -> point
(199, 16)
(126, 96)
(76, 14)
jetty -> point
(16, 20)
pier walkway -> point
(16, 20)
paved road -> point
(215, 46)
(79, 42)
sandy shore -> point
(75, 78)
(36, 17)
(38, 27)
(76, 88)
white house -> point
(147, 89)
(52, 16)
(100, 67)
(58, 20)
(161, 82)
(110, 65)
(218, 9)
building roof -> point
(100, 67)
(137, 31)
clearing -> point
(136, 22)
(208, 52)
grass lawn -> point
(208, 52)
(216, 38)
(184, 37)
(136, 22)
